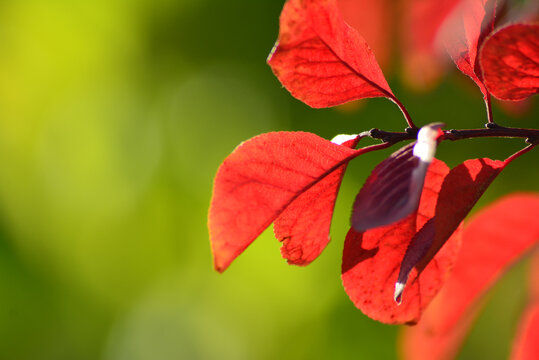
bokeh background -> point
(114, 117)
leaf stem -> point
(488, 105)
(519, 153)
(374, 147)
(404, 112)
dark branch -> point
(490, 130)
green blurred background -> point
(114, 117)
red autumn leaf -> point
(259, 180)
(371, 261)
(421, 23)
(393, 189)
(373, 20)
(390, 192)
(510, 62)
(304, 225)
(526, 343)
(495, 239)
(323, 61)
(406, 249)
(461, 189)
(464, 33)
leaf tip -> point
(219, 266)
(221, 260)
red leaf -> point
(371, 261)
(490, 245)
(386, 196)
(393, 189)
(462, 187)
(304, 225)
(510, 62)
(414, 247)
(257, 182)
(321, 60)
(464, 34)
(422, 20)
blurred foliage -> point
(114, 116)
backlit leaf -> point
(495, 238)
(461, 189)
(304, 225)
(387, 196)
(510, 62)
(259, 180)
(323, 61)
(371, 261)
(391, 257)
(393, 189)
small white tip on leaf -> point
(268, 59)
(397, 295)
(425, 148)
(342, 138)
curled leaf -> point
(391, 192)
(371, 261)
(398, 256)
(464, 33)
(461, 189)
